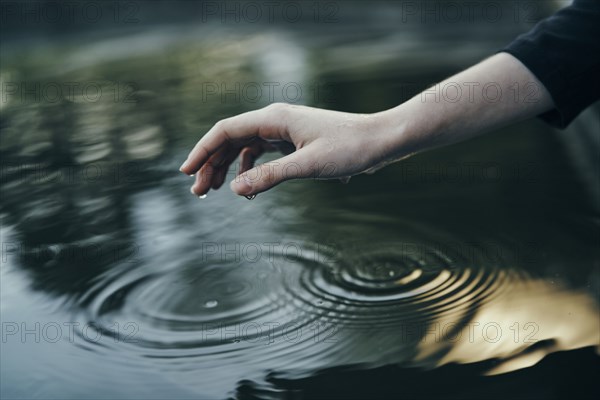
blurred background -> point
(474, 266)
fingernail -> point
(183, 165)
(241, 185)
(203, 196)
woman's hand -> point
(320, 144)
(329, 144)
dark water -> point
(470, 271)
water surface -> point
(474, 262)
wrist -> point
(395, 134)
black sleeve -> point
(563, 52)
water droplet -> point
(211, 304)
(202, 197)
(251, 197)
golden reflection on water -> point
(533, 318)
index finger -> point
(245, 126)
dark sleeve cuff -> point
(537, 62)
(563, 52)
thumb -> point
(263, 177)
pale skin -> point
(327, 144)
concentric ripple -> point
(398, 282)
(195, 306)
(304, 310)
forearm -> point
(496, 92)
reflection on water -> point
(535, 318)
(166, 295)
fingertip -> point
(218, 184)
(219, 178)
(241, 186)
(183, 166)
(185, 169)
(189, 168)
